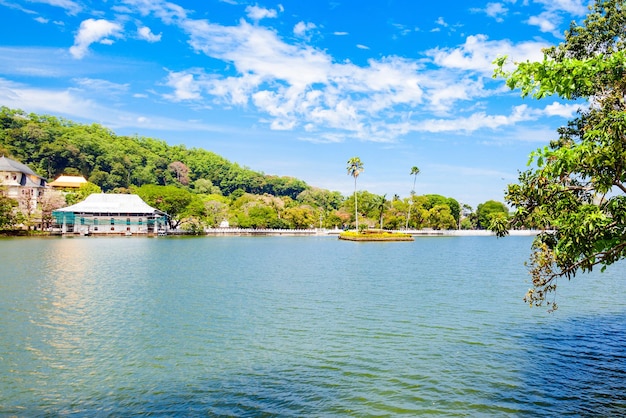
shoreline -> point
(232, 232)
(336, 232)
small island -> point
(375, 235)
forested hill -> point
(52, 146)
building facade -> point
(111, 214)
(21, 183)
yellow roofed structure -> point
(68, 182)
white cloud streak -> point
(71, 7)
(70, 102)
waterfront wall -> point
(262, 232)
(323, 232)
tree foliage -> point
(170, 199)
(7, 211)
(490, 210)
(54, 146)
(575, 188)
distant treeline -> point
(199, 188)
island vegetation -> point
(200, 189)
(375, 235)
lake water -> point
(301, 326)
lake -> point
(301, 326)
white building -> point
(21, 183)
(106, 214)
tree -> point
(414, 172)
(440, 217)
(50, 201)
(382, 205)
(170, 199)
(465, 217)
(205, 186)
(81, 194)
(7, 211)
(216, 209)
(576, 186)
(300, 217)
(485, 212)
(181, 171)
(355, 167)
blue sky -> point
(296, 88)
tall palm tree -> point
(382, 205)
(414, 172)
(355, 167)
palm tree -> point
(355, 167)
(414, 172)
(382, 205)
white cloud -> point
(563, 110)
(71, 7)
(446, 90)
(308, 89)
(575, 7)
(297, 86)
(168, 12)
(478, 53)
(441, 22)
(549, 20)
(301, 86)
(56, 63)
(71, 102)
(257, 50)
(257, 13)
(302, 29)
(56, 101)
(340, 33)
(146, 34)
(103, 87)
(185, 87)
(360, 46)
(496, 11)
(232, 90)
(476, 121)
(92, 31)
(546, 22)
(41, 19)
(403, 29)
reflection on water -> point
(301, 326)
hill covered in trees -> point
(52, 146)
(199, 188)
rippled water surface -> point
(290, 326)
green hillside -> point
(52, 146)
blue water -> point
(311, 326)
